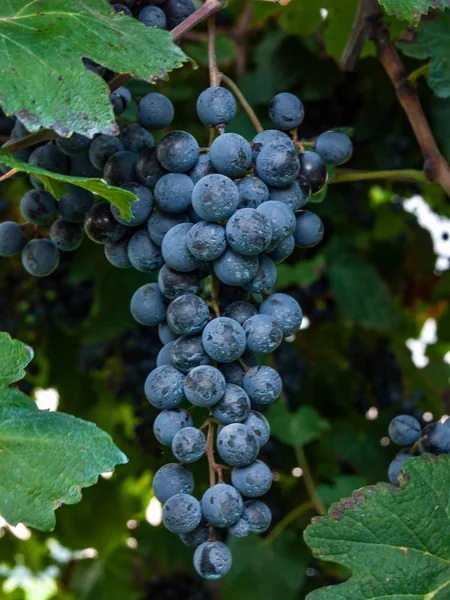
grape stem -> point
(213, 466)
(215, 294)
(8, 174)
(244, 102)
(292, 516)
(347, 175)
(309, 482)
(417, 73)
(214, 73)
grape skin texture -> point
(404, 430)
(148, 169)
(223, 339)
(75, 145)
(144, 255)
(252, 192)
(173, 192)
(397, 465)
(189, 445)
(152, 16)
(212, 560)
(435, 438)
(215, 197)
(177, 11)
(263, 334)
(188, 314)
(165, 355)
(155, 111)
(234, 407)
(286, 111)
(237, 445)
(282, 251)
(174, 284)
(206, 241)
(253, 480)
(102, 148)
(281, 218)
(100, 225)
(216, 106)
(188, 352)
(285, 311)
(38, 207)
(309, 229)
(230, 154)
(166, 335)
(265, 277)
(172, 479)
(74, 205)
(240, 529)
(291, 195)
(164, 387)
(11, 238)
(168, 423)
(175, 250)
(262, 384)
(181, 513)
(240, 311)
(178, 151)
(135, 138)
(148, 305)
(222, 505)
(233, 372)
(120, 168)
(248, 232)
(270, 136)
(204, 386)
(313, 167)
(117, 253)
(40, 257)
(202, 167)
(235, 269)
(161, 222)
(65, 235)
(258, 516)
(196, 537)
(259, 425)
(335, 148)
(277, 164)
(140, 208)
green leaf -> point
(266, 570)
(412, 10)
(55, 183)
(395, 540)
(43, 78)
(343, 485)
(432, 41)
(296, 429)
(14, 357)
(304, 273)
(46, 458)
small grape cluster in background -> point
(164, 14)
(406, 430)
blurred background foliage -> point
(377, 282)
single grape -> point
(263, 333)
(267, 137)
(258, 516)
(248, 232)
(120, 168)
(181, 513)
(215, 198)
(240, 529)
(204, 386)
(40, 257)
(252, 481)
(286, 111)
(50, 158)
(282, 251)
(121, 8)
(206, 241)
(260, 427)
(235, 269)
(262, 384)
(175, 249)
(187, 314)
(166, 335)
(396, 465)
(230, 154)
(177, 11)
(173, 192)
(212, 560)
(65, 235)
(161, 222)
(309, 229)
(165, 355)
(144, 255)
(285, 311)
(252, 192)
(216, 106)
(74, 145)
(233, 372)
(222, 505)
(198, 536)
(291, 195)
(189, 445)
(135, 138)
(335, 148)
(223, 339)
(281, 218)
(172, 479)
(117, 253)
(202, 167)
(174, 284)
(74, 205)
(120, 98)
(265, 277)
(81, 166)
(148, 305)
(152, 16)
(314, 169)
(178, 151)
(240, 311)
(435, 438)
(101, 226)
(140, 208)
(168, 423)
(188, 353)
(237, 445)
(148, 169)
(234, 407)
(404, 430)
(38, 207)
(155, 111)
(164, 387)
(277, 164)
(12, 239)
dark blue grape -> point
(170, 422)
(144, 255)
(212, 560)
(74, 205)
(335, 148)
(177, 11)
(65, 235)
(267, 137)
(164, 387)
(252, 192)
(174, 284)
(233, 372)
(204, 386)
(215, 197)
(175, 249)
(265, 277)
(198, 536)
(12, 239)
(222, 505)
(38, 207)
(282, 251)
(404, 430)
(50, 158)
(148, 169)
(314, 169)
(253, 480)
(248, 232)
(260, 427)
(135, 138)
(309, 229)
(281, 218)
(166, 335)
(285, 311)
(262, 384)
(263, 334)
(121, 8)
(187, 314)
(178, 151)
(117, 253)
(152, 16)
(206, 241)
(223, 339)
(75, 145)
(165, 355)
(235, 269)
(81, 166)
(172, 479)
(240, 529)
(188, 353)
(155, 111)
(240, 311)
(181, 513)
(216, 106)
(258, 516)
(234, 407)
(120, 168)
(189, 445)
(230, 154)
(140, 208)
(291, 195)
(277, 164)
(161, 222)
(148, 305)
(120, 98)
(101, 226)
(237, 445)
(435, 438)
(202, 167)
(173, 192)
(40, 257)
(397, 465)
(286, 111)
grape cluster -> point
(164, 14)
(406, 430)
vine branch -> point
(346, 175)
(292, 516)
(30, 140)
(309, 482)
(244, 102)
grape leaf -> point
(395, 540)
(14, 357)
(55, 183)
(412, 10)
(296, 429)
(43, 78)
(433, 41)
